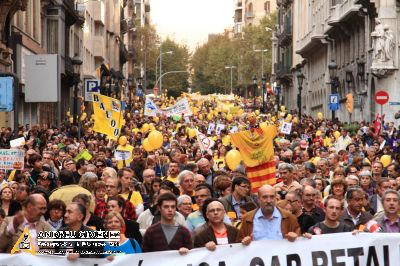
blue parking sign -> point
(91, 85)
(334, 102)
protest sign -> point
(219, 128)
(17, 142)
(12, 159)
(122, 155)
(83, 155)
(286, 128)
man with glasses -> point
(305, 221)
(34, 208)
(214, 232)
(240, 195)
(309, 204)
(100, 165)
(353, 215)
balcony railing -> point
(249, 15)
(282, 70)
(342, 11)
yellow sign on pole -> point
(107, 115)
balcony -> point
(132, 54)
(284, 3)
(98, 11)
(285, 37)
(238, 16)
(282, 71)
(123, 53)
(342, 12)
(147, 8)
(249, 15)
(99, 46)
(126, 25)
(310, 42)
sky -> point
(190, 21)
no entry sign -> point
(381, 97)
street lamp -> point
(300, 79)
(262, 59)
(277, 85)
(264, 79)
(76, 63)
(230, 67)
(160, 56)
(332, 67)
(254, 89)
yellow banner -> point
(256, 147)
(107, 115)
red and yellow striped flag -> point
(257, 150)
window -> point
(267, 7)
(52, 36)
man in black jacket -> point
(74, 216)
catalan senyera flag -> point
(257, 150)
(107, 115)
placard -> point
(12, 159)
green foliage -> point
(209, 60)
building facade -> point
(359, 38)
(250, 12)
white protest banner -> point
(122, 155)
(210, 129)
(205, 143)
(286, 128)
(325, 250)
(150, 108)
(219, 128)
(17, 142)
(12, 159)
(181, 107)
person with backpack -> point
(115, 222)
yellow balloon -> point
(146, 145)
(336, 134)
(192, 133)
(386, 160)
(201, 116)
(209, 117)
(226, 140)
(71, 120)
(83, 116)
(155, 139)
(240, 112)
(257, 112)
(295, 120)
(273, 119)
(122, 140)
(151, 127)
(229, 117)
(128, 115)
(289, 117)
(156, 119)
(318, 133)
(283, 108)
(233, 159)
(145, 127)
(320, 116)
(68, 113)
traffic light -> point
(349, 102)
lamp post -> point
(254, 89)
(262, 59)
(264, 79)
(332, 67)
(76, 63)
(277, 86)
(300, 79)
(230, 67)
(160, 56)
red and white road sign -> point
(381, 97)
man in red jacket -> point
(167, 234)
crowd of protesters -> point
(179, 197)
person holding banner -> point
(268, 222)
(167, 234)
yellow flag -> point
(107, 115)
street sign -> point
(91, 85)
(394, 103)
(381, 97)
(334, 102)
